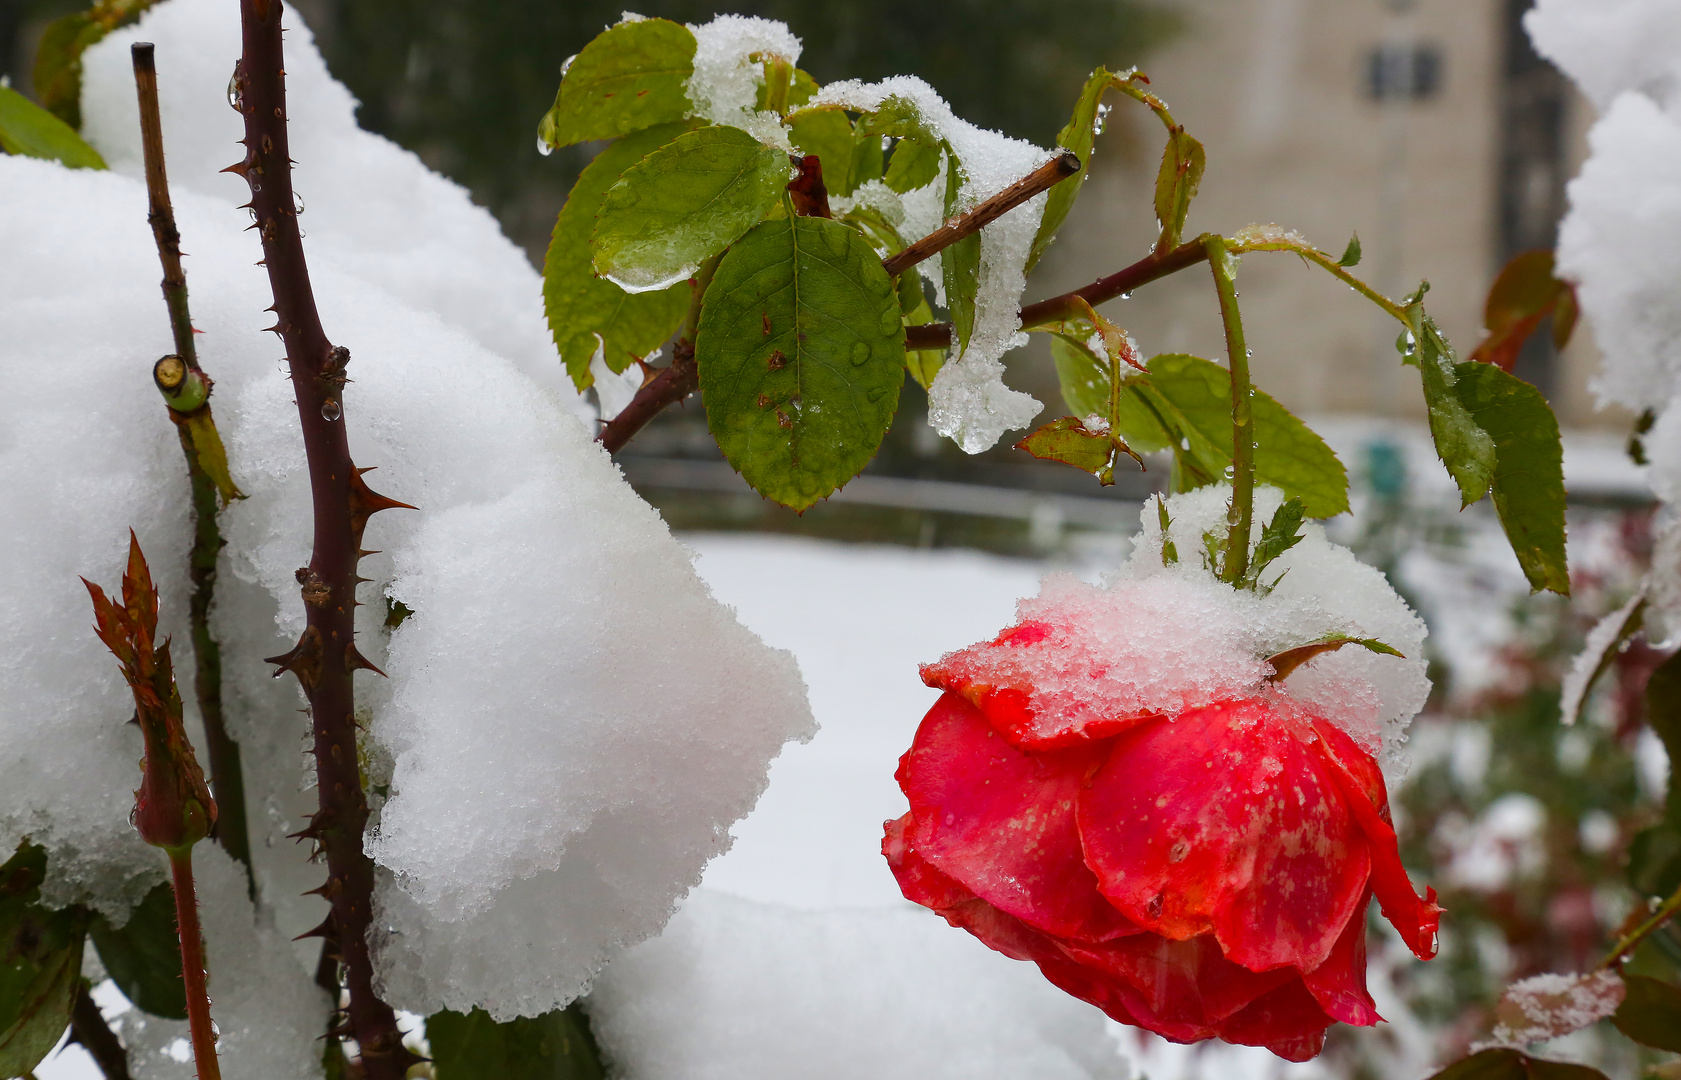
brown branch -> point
(192, 966)
(88, 1027)
(325, 658)
(675, 382)
(1151, 267)
(984, 213)
(227, 771)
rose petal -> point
(1288, 1021)
(1224, 820)
(1417, 918)
(1339, 984)
(1002, 823)
(1185, 987)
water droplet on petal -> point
(951, 818)
(331, 410)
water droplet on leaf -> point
(543, 146)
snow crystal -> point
(1609, 46)
(1545, 1007)
(1161, 638)
(728, 73)
(269, 1013)
(572, 722)
(736, 989)
(969, 401)
(1599, 641)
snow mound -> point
(968, 401)
(728, 72)
(737, 989)
(572, 723)
(1610, 46)
(1167, 637)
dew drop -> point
(331, 410)
(1127, 295)
(543, 146)
(1154, 907)
(1179, 851)
(1230, 472)
(876, 394)
(860, 353)
(951, 818)
(236, 99)
(297, 204)
(566, 64)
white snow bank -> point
(571, 722)
(736, 990)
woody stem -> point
(1241, 514)
(325, 657)
(192, 965)
(226, 770)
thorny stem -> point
(1633, 938)
(192, 965)
(1242, 511)
(1337, 270)
(984, 213)
(89, 1028)
(227, 772)
(325, 657)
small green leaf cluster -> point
(555, 1046)
(721, 236)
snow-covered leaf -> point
(555, 1046)
(684, 202)
(28, 129)
(1598, 651)
(961, 265)
(581, 305)
(143, 956)
(1549, 1006)
(914, 164)
(801, 350)
(631, 77)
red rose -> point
(1201, 875)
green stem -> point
(1324, 260)
(192, 966)
(226, 770)
(1242, 510)
(1633, 938)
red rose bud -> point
(1201, 875)
(172, 807)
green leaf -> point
(1069, 441)
(1078, 137)
(845, 154)
(801, 349)
(923, 364)
(28, 129)
(40, 964)
(1085, 381)
(1281, 534)
(1650, 1013)
(1528, 470)
(580, 305)
(1197, 395)
(212, 456)
(630, 77)
(684, 203)
(1170, 553)
(1351, 253)
(901, 118)
(1177, 182)
(914, 165)
(555, 1046)
(143, 957)
(58, 56)
(960, 264)
(1507, 1064)
(1654, 859)
(801, 90)
(1464, 447)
